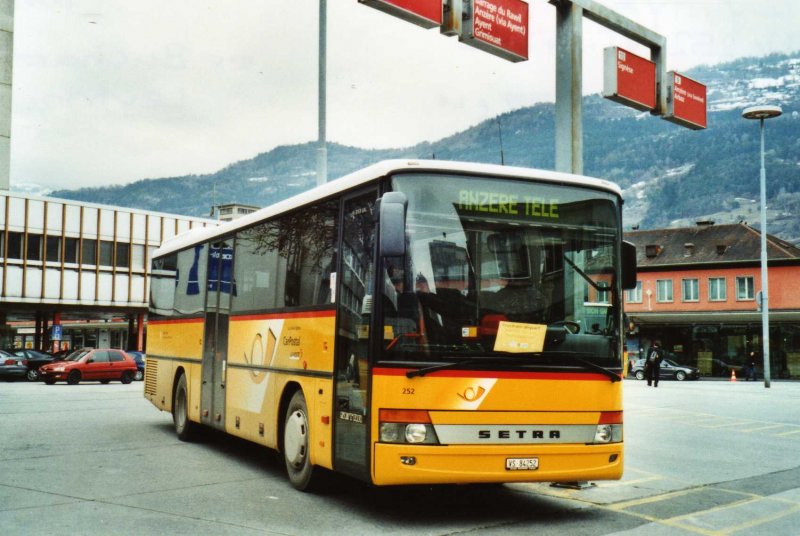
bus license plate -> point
(522, 464)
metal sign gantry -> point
(493, 25)
(569, 67)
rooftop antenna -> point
(213, 198)
(500, 136)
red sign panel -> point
(425, 13)
(629, 79)
(499, 27)
(686, 101)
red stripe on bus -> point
(584, 376)
(279, 316)
(199, 320)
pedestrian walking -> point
(652, 365)
(751, 367)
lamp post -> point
(761, 113)
(322, 98)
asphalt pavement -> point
(705, 457)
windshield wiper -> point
(588, 279)
(463, 363)
(613, 376)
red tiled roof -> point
(706, 244)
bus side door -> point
(219, 288)
(354, 304)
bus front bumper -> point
(423, 464)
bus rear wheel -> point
(296, 445)
(185, 429)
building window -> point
(89, 253)
(123, 255)
(634, 295)
(14, 245)
(53, 249)
(717, 289)
(137, 257)
(744, 288)
(603, 295)
(664, 290)
(71, 250)
(34, 250)
(106, 253)
(691, 290)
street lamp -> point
(761, 113)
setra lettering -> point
(518, 434)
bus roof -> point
(370, 173)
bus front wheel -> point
(296, 445)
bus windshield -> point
(485, 255)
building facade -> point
(698, 291)
(232, 211)
(70, 263)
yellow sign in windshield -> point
(518, 337)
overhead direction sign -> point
(499, 27)
(425, 13)
(629, 79)
(686, 101)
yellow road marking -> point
(788, 433)
(762, 428)
(761, 520)
(652, 499)
(620, 483)
(737, 423)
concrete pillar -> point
(6, 63)
(37, 334)
(140, 332)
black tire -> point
(297, 446)
(138, 376)
(74, 377)
(639, 375)
(127, 377)
(185, 429)
(680, 375)
(32, 375)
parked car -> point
(89, 364)
(12, 367)
(61, 354)
(669, 370)
(35, 360)
(139, 357)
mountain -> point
(671, 176)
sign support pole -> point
(322, 149)
(569, 54)
(569, 85)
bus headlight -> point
(406, 426)
(609, 427)
(608, 433)
(416, 433)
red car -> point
(89, 364)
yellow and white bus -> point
(416, 322)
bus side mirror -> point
(628, 265)
(393, 224)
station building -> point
(697, 292)
(76, 274)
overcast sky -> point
(112, 91)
